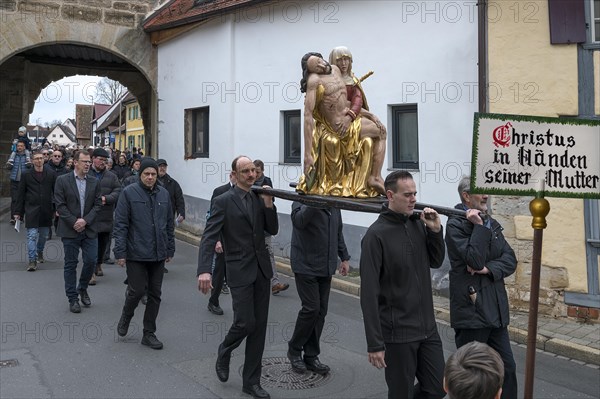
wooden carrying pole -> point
(370, 205)
(539, 208)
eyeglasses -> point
(57, 156)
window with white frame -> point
(405, 137)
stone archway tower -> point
(110, 28)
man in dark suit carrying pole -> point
(77, 200)
(241, 218)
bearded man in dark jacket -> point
(395, 292)
(121, 168)
(480, 260)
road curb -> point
(4, 209)
(553, 345)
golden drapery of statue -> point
(344, 143)
(342, 162)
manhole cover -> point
(9, 363)
(277, 373)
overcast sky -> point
(58, 99)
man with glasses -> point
(57, 163)
(110, 188)
(78, 201)
(35, 199)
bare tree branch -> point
(109, 91)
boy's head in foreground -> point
(474, 371)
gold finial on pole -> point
(539, 208)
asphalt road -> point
(59, 354)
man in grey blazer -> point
(77, 199)
(240, 218)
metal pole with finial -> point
(539, 208)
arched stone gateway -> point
(43, 41)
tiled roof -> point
(111, 117)
(182, 12)
(99, 110)
(43, 131)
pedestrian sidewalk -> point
(562, 336)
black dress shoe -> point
(149, 339)
(256, 391)
(74, 306)
(222, 365)
(297, 363)
(85, 298)
(215, 309)
(123, 325)
(316, 366)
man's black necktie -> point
(249, 207)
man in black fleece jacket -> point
(395, 293)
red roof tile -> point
(182, 12)
(99, 110)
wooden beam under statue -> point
(369, 205)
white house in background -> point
(63, 135)
(230, 86)
(70, 123)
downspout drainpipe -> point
(482, 36)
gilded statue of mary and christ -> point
(344, 143)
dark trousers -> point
(89, 251)
(107, 252)
(139, 276)
(14, 189)
(103, 242)
(250, 314)
(499, 340)
(421, 359)
(314, 294)
(218, 278)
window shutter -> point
(567, 21)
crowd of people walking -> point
(137, 204)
